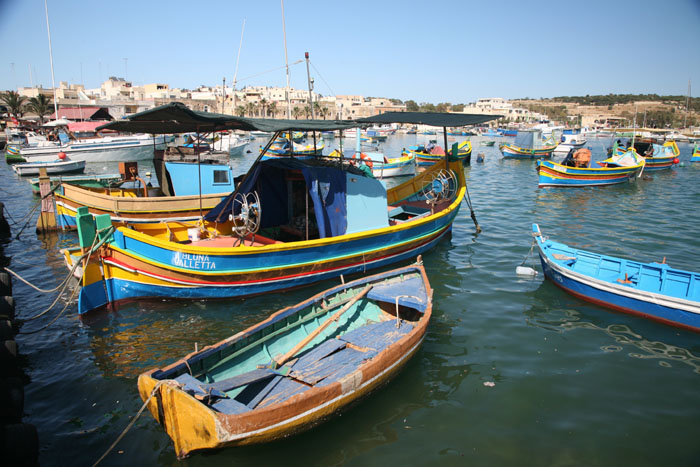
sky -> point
(428, 51)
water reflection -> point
(555, 311)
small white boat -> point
(571, 139)
(59, 166)
(107, 148)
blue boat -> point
(651, 290)
(696, 154)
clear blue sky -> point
(430, 51)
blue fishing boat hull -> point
(651, 290)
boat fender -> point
(62, 155)
(525, 271)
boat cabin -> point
(310, 199)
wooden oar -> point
(286, 357)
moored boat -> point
(652, 290)
(176, 199)
(571, 138)
(657, 156)
(300, 366)
(428, 154)
(695, 157)
(290, 222)
(58, 166)
(528, 145)
(579, 173)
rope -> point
(532, 247)
(131, 424)
(95, 245)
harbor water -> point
(513, 371)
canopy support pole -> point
(199, 173)
(447, 158)
(277, 134)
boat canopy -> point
(531, 139)
(344, 199)
(177, 118)
(429, 118)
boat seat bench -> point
(322, 365)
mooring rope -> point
(95, 245)
(29, 215)
(131, 424)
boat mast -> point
(286, 64)
(235, 73)
(311, 86)
(687, 101)
(53, 82)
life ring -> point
(365, 159)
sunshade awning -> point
(177, 118)
(430, 118)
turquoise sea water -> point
(568, 383)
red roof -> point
(80, 113)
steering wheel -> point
(442, 186)
(247, 221)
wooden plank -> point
(323, 326)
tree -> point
(296, 112)
(442, 107)
(14, 102)
(411, 106)
(40, 105)
(250, 108)
(324, 112)
(240, 111)
(427, 107)
(263, 106)
(307, 111)
(272, 108)
(317, 109)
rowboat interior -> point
(241, 373)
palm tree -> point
(307, 111)
(14, 102)
(324, 112)
(263, 106)
(296, 111)
(40, 105)
(240, 111)
(317, 108)
(273, 108)
(250, 108)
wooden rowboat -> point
(617, 169)
(652, 290)
(292, 371)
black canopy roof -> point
(177, 118)
(429, 118)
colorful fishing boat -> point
(652, 290)
(297, 149)
(528, 145)
(382, 166)
(290, 222)
(696, 154)
(571, 173)
(658, 156)
(294, 370)
(177, 199)
(428, 154)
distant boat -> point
(508, 132)
(99, 149)
(571, 138)
(696, 154)
(58, 166)
(295, 369)
(652, 290)
(487, 142)
(657, 156)
(528, 145)
(570, 173)
(427, 155)
(382, 166)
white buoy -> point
(525, 271)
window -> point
(221, 177)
